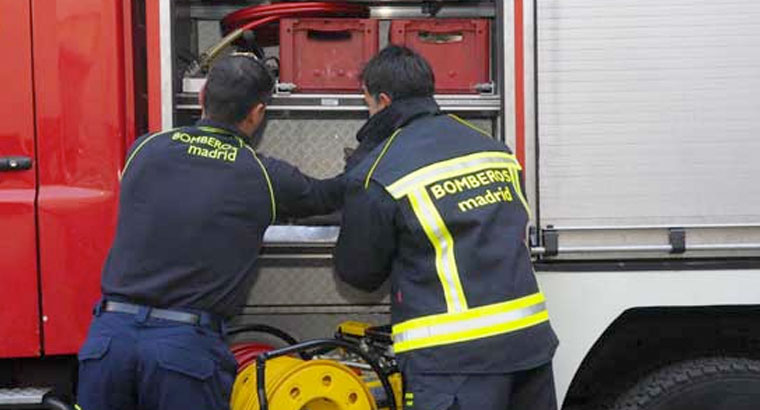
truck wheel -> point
(719, 383)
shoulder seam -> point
(268, 181)
(379, 157)
(469, 125)
(139, 147)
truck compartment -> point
(315, 113)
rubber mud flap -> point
(94, 348)
(184, 361)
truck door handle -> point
(15, 163)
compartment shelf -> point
(283, 102)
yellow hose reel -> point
(318, 384)
(294, 384)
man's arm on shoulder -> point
(298, 195)
(367, 242)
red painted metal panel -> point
(519, 84)
(128, 72)
(81, 122)
(19, 315)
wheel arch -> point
(644, 339)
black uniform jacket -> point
(437, 207)
(194, 205)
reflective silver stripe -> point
(475, 323)
(432, 222)
(451, 168)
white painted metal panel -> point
(649, 112)
(582, 306)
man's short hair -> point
(234, 85)
(398, 72)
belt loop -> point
(98, 308)
(142, 314)
(211, 321)
(205, 320)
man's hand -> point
(347, 152)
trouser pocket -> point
(188, 377)
(94, 348)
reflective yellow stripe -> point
(441, 318)
(379, 157)
(415, 185)
(443, 243)
(269, 183)
(516, 183)
(470, 125)
(451, 168)
(472, 334)
(475, 323)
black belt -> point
(164, 314)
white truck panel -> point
(583, 305)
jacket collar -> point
(381, 125)
(401, 112)
(221, 128)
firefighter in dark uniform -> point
(195, 202)
(436, 205)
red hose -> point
(238, 18)
(250, 15)
(258, 23)
(245, 353)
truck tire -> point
(719, 383)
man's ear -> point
(384, 100)
(259, 109)
(200, 99)
(255, 114)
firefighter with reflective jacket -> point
(436, 205)
(194, 205)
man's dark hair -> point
(398, 72)
(234, 85)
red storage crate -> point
(324, 55)
(458, 49)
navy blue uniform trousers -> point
(526, 390)
(135, 362)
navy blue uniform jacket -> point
(193, 208)
(437, 207)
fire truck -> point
(636, 123)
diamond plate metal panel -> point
(313, 145)
(316, 145)
(482, 123)
(293, 285)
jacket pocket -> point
(94, 348)
(184, 361)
